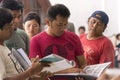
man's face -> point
(6, 32)
(57, 26)
(95, 27)
(81, 31)
(16, 18)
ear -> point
(105, 27)
(47, 21)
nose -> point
(62, 28)
(31, 28)
(16, 20)
(95, 25)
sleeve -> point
(34, 48)
(27, 44)
(79, 48)
(108, 53)
(26, 41)
(2, 69)
(79, 53)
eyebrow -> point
(95, 19)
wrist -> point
(29, 72)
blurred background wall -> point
(80, 11)
(39, 6)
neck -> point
(48, 31)
(29, 37)
(90, 37)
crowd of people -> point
(58, 38)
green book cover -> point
(51, 58)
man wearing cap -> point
(97, 47)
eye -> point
(65, 24)
(59, 25)
(19, 16)
(92, 21)
(100, 23)
(35, 25)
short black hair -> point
(31, 16)
(81, 27)
(11, 4)
(117, 36)
(58, 9)
(5, 17)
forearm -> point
(81, 61)
(22, 76)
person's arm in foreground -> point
(105, 76)
(34, 69)
(42, 76)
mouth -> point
(61, 32)
(92, 29)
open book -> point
(58, 63)
(91, 71)
(21, 57)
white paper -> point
(22, 52)
(22, 60)
(113, 71)
(91, 71)
(96, 69)
(58, 63)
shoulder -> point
(106, 39)
(39, 36)
(4, 51)
(71, 34)
(20, 31)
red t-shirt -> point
(67, 45)
(97, 51)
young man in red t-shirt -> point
(55, 39)
(97, 47)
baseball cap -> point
(101, 16)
